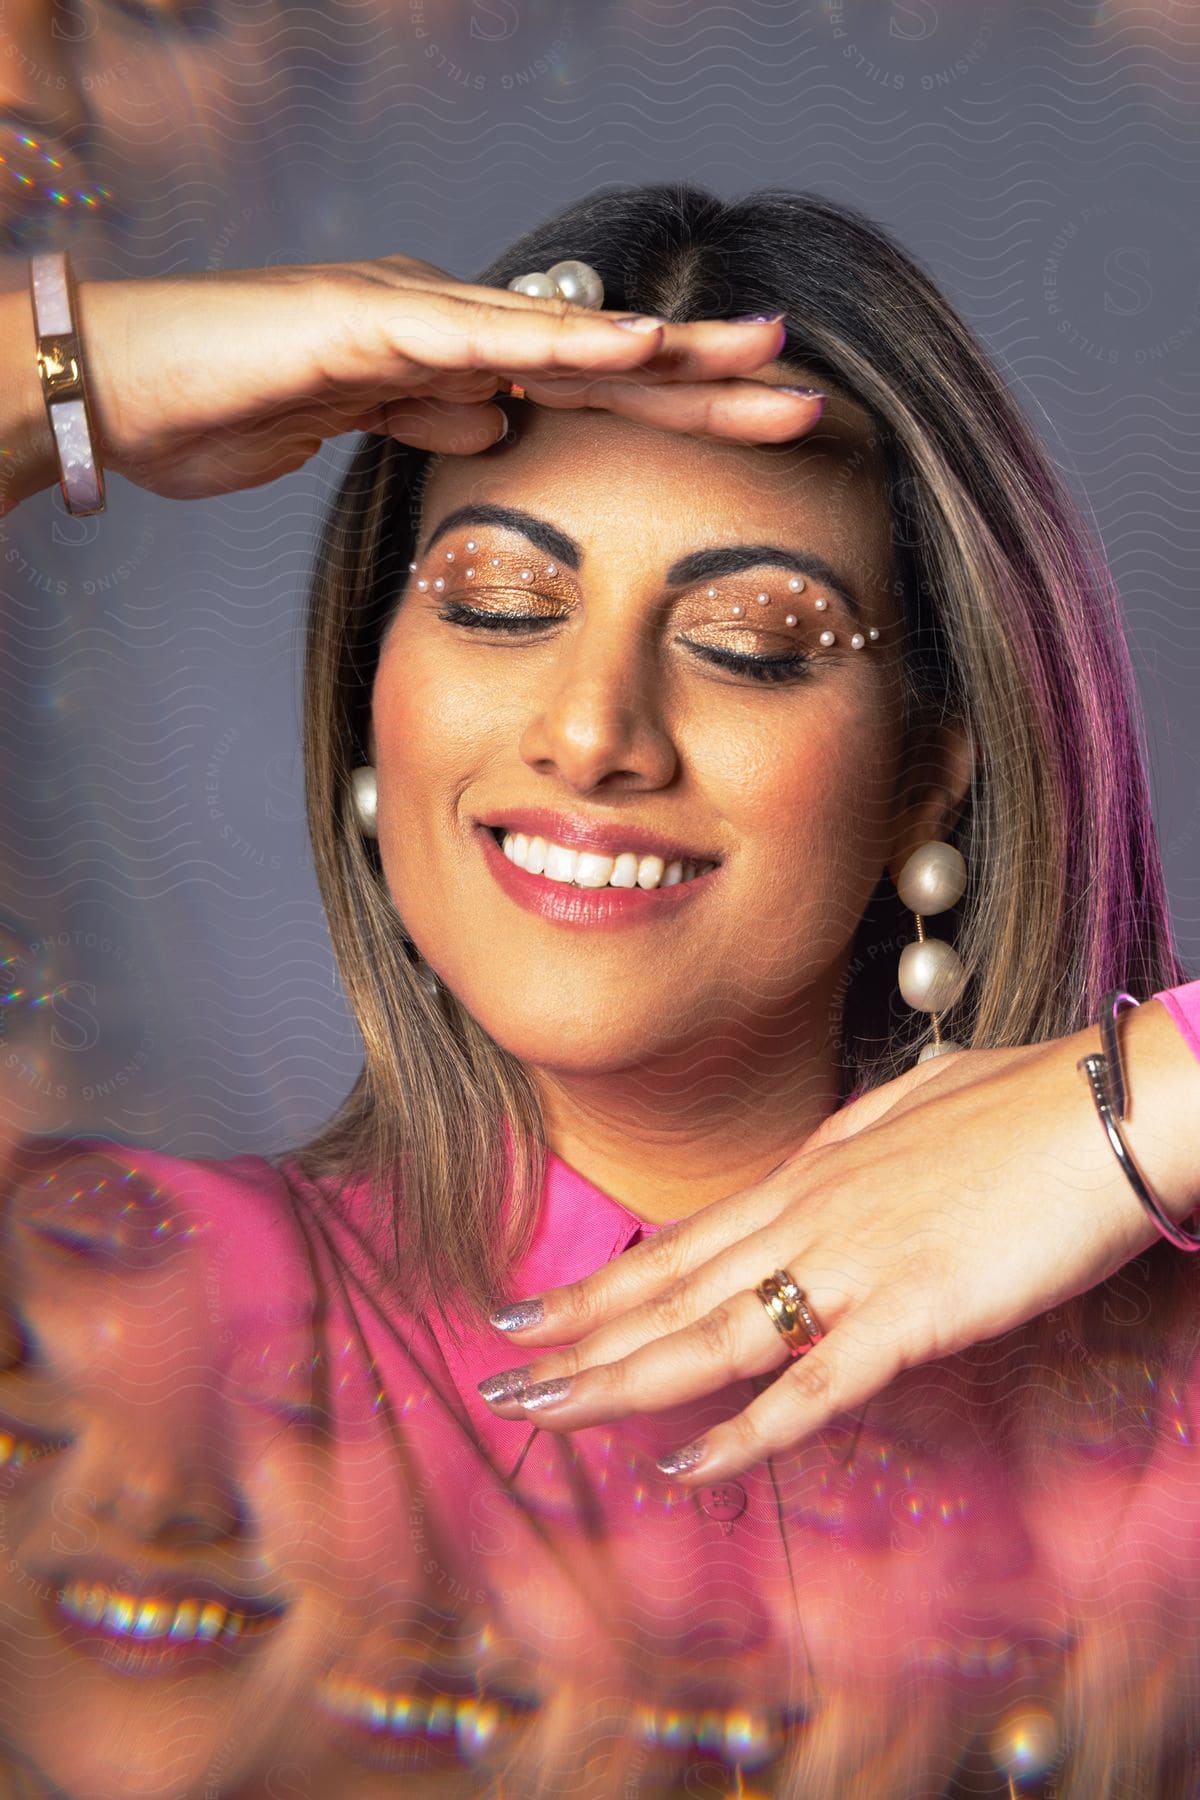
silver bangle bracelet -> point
(1106, 1076)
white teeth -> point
(560, 863)
(127, 1616)
(592, 870)
(589, 869)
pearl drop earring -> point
(366, 800)
(931, 973)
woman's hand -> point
(205, 384)
(958, 1201)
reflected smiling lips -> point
(135, 1619)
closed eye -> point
(455, 613)
(795, 665)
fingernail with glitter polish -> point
(516, 1318)
(756, 319)
(640, 323)
(676, 1462)
(506, 1385)
(544, 1393)
(802, 393)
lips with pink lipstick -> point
(575, 871)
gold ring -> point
(515, 391)
(787, 1308)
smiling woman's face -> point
(644, 556)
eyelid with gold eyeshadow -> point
(793, 665)
(473, 559)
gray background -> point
(176, 982)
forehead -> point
(611, 482)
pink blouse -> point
(896, 1541)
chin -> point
(576, 1046)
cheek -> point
(431, 732)
(816, 793)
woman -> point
(942, 664)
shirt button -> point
(726, 1502)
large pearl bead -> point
(931, 975)
(578, 282)
(937, 1049)
(537, 285)
(362, 783)
(933, 878)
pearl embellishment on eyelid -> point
(449, 556)
(857, 641)
(873, 633)
(791, 619)
(439, 583)
(552, 568)
(737, 611)
(763, 599)
(827, 637)
(470, 573)
(712, 593)
(495, 562)
(422, 585)
(412, 568)
(820, 605)
(796, 584)
(526, 574)
(471, 544)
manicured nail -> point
(506, 1385)
(802, 393)
(675, 1462)
(640, 322)
(544, 1393)
(516, 1318)
(756, 319)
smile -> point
(590, 869)
(598, 902)
(144, 1618)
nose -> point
(169, 1487)
(600, 718)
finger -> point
(692, 1302)
(753, 411)
(733, 1340)
(692, 1346)
(438, 425)
(845, 1370)
(566, 1314)
(440, 331)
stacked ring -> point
(787, 1308)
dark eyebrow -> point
(703, 565)
(547, 537)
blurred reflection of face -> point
(103, 102)
(171, 1524)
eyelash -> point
(759, 668)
